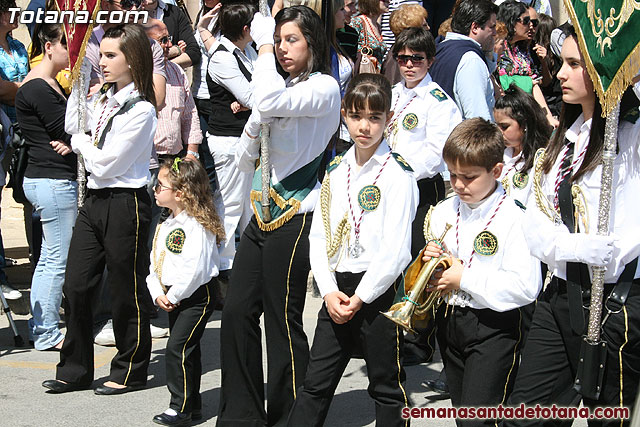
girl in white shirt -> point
(561, 229)
(359, 244)
(184, 259)
(525, 130)
(113, 225)
(271, 265)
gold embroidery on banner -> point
(611, 24)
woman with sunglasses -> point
(522, 62)
(113, 225)
(424, 116)
(271, 266)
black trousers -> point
(431, 192)
(269, 276)
(550, 358)
(333, 347)
(480, 349)
(182, 355)
(112, 229)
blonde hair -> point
(444, 28)
(190, 178)
(407, 16)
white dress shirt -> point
(508, 279)
(303, 117)
(385, 233)
(224, 70)
(512, 165)
(547, 240)
(436, 114)
(183, 273)
(123, 160)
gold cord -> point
(505, 184)
(541, 200)
(335, 241)
(580, 212)
(158, 262)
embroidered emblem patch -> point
(369, 197)
(410, 121)
(439, 95)
(175, 240)
(485, 243)
(520, 179)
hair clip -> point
(176, 162)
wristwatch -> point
(194, 154)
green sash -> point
(285, 196)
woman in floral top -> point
(14, 62)
(367, 26)
(519, 57)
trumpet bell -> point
(401, 315)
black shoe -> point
(413, 355)
(109, 391)
(438, 386)
(57, 386)
(413, 359)
(179, 419)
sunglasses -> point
(527, 20)
(165, 40)
(404, 59)
(127, 4)
(158, 188)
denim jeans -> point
(56, 200)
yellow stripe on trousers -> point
(286, 308)
(135, 288)
(184, 373)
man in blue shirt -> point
(461, 67)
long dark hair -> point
(524, 109)
(136, 48)
(508, 13)
(44, 33)
(313, 31)
(568, 115)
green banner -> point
(609, 37)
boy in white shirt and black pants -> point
(424, 116)
(359, 244)
(492, 275)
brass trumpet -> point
(412, 302)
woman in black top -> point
(49, 181)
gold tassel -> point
(623, 77)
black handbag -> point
(18, 164)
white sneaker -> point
(106, 337)
(159, 332)
(9, 292)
